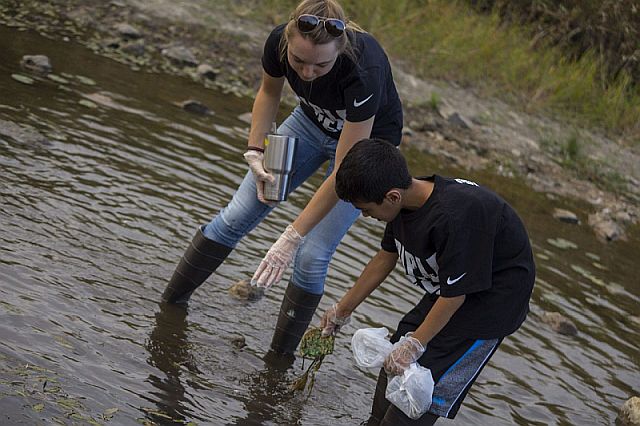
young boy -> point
(459, 242)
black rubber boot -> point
(295, 315)
(201, 258)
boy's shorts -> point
(455, 362)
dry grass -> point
(572, 58)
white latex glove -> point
(254, 159)
(331, 322)
(404, 353)
(278, 258)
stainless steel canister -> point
(278, 160)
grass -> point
(447, 40)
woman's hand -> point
(332, 321)
(405, 352)
(278, 258)
(254, 159)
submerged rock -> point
(245, 291)
(22, 133)
(559, 323)
(194, 107)
(238, 341)
(630, 412)
(246, 117)
(39, 64)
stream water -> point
(102, 186)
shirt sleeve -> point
(388, 242)
(271, 62)
(363, 94)
(466, 262)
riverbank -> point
(219, 45)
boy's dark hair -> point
(370, 169)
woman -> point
(343, 80)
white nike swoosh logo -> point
(357, 104)
(450, 281)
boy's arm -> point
(408, 351)
(378, 268)
(438, 317)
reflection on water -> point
(104, 181)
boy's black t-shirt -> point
(350, 91)
(467, 240)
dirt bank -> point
(443, 119)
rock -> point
(565, 216)
(605, 228)
(22, 133)
(127, 32)
(206, 72)
(623, 217)
(245, 291)
(111, 43)
(38, 64)
(459, 120)
(194, 107)
(559, 323)
(562, 244)
(180, 56)
(246, 117)
(238, 341)
(23, 79)
(134, 49)
(629, 414)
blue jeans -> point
(245, 212)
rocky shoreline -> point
(219, 45)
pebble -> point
(565, 216)
(245, 291)
(629, 414)
(559, 323)
(39, 64)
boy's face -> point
(386, 211)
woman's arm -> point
(265, 108)
(325, 197)
(281, 253)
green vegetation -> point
(574, 59)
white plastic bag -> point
(370, 347)
(412, 391)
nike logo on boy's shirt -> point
(357, 104)
(450, 281)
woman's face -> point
(310, 60)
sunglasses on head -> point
(308, 23)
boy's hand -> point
(405, 352)
(331, 321)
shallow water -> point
(95, 214)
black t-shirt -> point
(467, 240)
(350, 91)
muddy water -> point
(101, 188)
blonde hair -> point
(326, 9)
